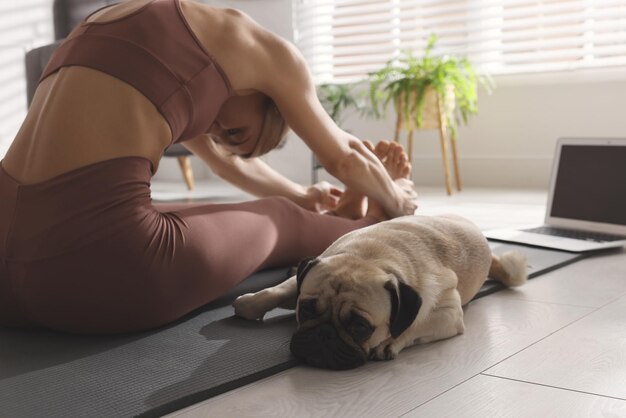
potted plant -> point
(428, 92)
(412, 82)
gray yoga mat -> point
(48, 374)
(540, 261)
(51, 374)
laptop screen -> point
(591, 184)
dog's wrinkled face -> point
(347, 307)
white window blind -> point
(343, 40)
(24, 24)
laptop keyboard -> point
(570, 233)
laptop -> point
(586, 208)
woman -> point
(83, 249)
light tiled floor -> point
(555, 347)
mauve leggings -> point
(88, 252)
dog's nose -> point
(326, 332)
(322, 346)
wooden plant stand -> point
(434, 118)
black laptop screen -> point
(591, 184)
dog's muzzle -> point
(321, 346)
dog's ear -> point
(303, 268)
(405, 305)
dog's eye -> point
(358, 327)
(307, 310)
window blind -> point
(343, 40)
(24, 24)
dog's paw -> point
(385, 351)
(247, 306)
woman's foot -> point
(376, 211)
(351, 205)
(354, 205)
(396, 162)
(394, 159)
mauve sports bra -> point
(154, 50)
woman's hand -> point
(321, 197)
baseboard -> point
(486, 171)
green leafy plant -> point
(405, 81)
(340, 100)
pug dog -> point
(382, 288)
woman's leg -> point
(154, 266)
(171, 263)
(245, 237)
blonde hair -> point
(273, 131)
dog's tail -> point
(509, 268)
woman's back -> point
(81, 115)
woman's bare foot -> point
(351, 205)
(376, 211)
(394, 159)
(396, 162)
(355, 205)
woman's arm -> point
(255, 59)
(254, 176)
(289, 83)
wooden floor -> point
(555, 347)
